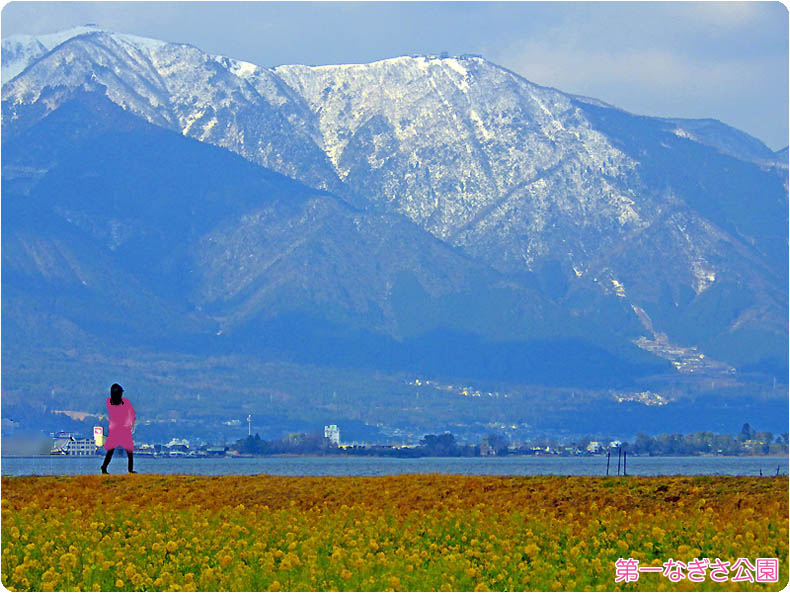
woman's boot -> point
(107, 458)
(131, 462)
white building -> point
(69, 444)
(82, 447)
(594, 447)
(332, 432)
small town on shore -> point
(748, 442)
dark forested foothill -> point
(748, 442)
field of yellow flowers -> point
(414, 532)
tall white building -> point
(332, 432)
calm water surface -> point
(383, 466)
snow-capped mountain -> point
(221, 101)
(647, 222)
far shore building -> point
(486, 450)
(215, 451)
(66, 443)
(594, 447)
(332, 433)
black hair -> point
(116, 394)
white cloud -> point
(576, 69)
(641, 65)
(726, 15)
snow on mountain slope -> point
(18, 53)
(469, 151)
(725, 139)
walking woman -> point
(121, 414)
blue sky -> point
(726, 60)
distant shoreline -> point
(342, 455)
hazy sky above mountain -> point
(727, 60)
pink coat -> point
(121, 421)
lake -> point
(382, 466)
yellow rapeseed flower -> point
(440, 532)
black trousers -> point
(108, 456)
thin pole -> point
(625, 461)
(609, 454)
(619, 453)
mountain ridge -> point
(280, 270)
(38, 45)
(438, 214)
